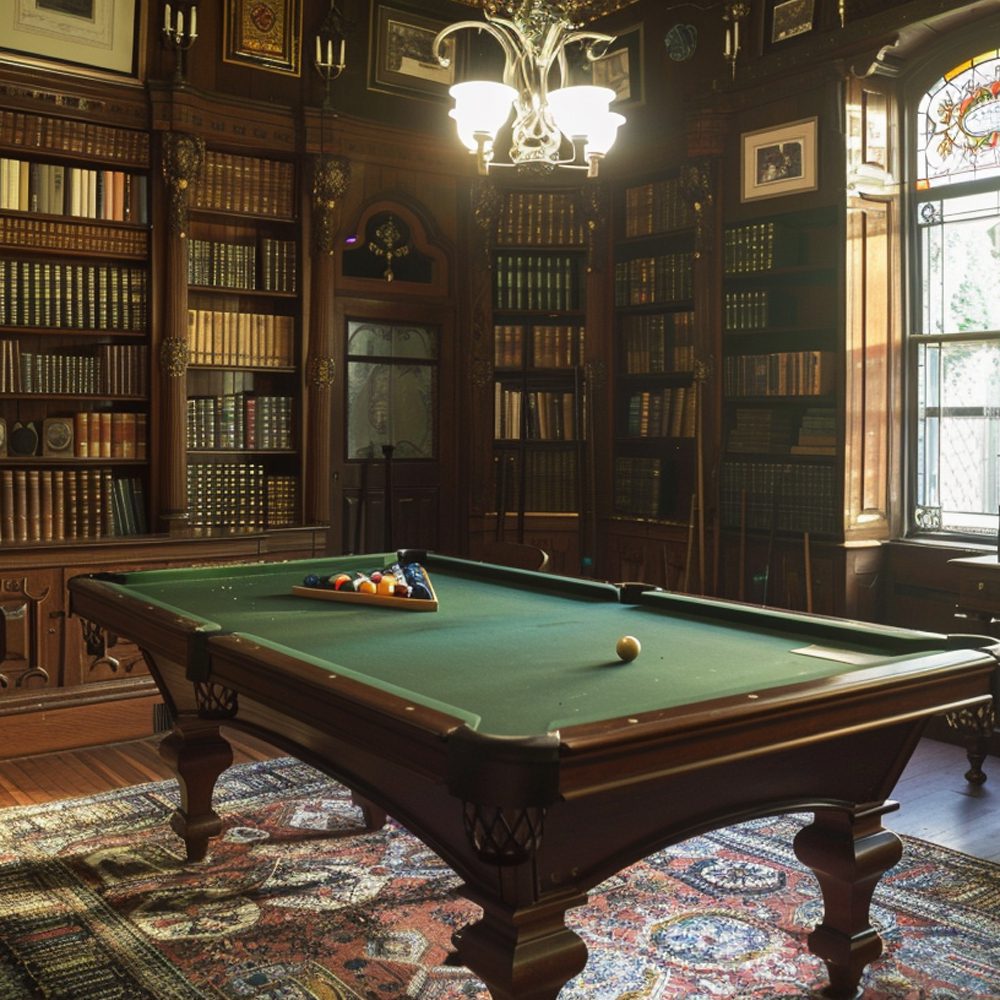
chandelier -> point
(570, 126)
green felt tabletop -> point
(524, 653)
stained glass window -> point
(958, 124)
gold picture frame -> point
(620, 67)
(93, 37)
(790, 18)
(781, 160)
(401, 62)
(264, 34)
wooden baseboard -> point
(73, 727)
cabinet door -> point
(30, 632)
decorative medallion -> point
(331, 177)
(681, 42)
(320, 372)
(174, 356)
(390, 244)
(183, 156)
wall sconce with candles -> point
(733, 16)
(534, 38)
(331, 49)
(180, 34)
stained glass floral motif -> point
(958, 124)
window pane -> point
(959, 434)
(959, 254)
(391, 340)
(958, 121)
(390, 404)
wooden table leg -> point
(198, 754)
(849, 853)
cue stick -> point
(362, 512)
(807, 559)
(743, 545)
(690, 547)
(387, 450)
(699, 483)
(500, 478)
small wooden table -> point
(979, 604)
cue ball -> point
(628, 648)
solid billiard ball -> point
(628, 648)
(312, 580)
(366, 587)
(385, 585)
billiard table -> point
(503, 731)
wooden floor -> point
(937, 803)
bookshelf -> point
(539, 312)
(242, 416)
(780, 470)
(74, 329)
(653, 462)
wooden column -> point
(182, 157)
(330, 179)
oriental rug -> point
(296, 902)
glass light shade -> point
(481, 106)
(575, 109)
(603, 133)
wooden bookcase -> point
(74, 328)
(539, 337)
(243, 425)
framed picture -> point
(779, 161)
(790, 18)
(620, 68)
(264, 34)
(401, 61)
(94, 34)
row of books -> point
(656, 207)
(239, 421)
(66, 135)
(656, 343)
(638, 485)
(533, 414)
(248, 184)
(651, 280)
(106, 370)
(237, 496)
(540, 218)
(551, 346)
(759, 246)
(817, 433)
(781, 373)
(277, 265)
(58, 294)
(109, 434)
(550, 480)
(767, 429)
(547, 282)
(668, 412)
(779, 496)
(84, 192)
(52, 505)
(218, 264)
(52, 234)
(256, 340)
(746, 310)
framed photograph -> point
(94, 34)
(264, 34)
(401, 61)
(779, 161)
(620, 68)
(790, 18)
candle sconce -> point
(733, 16)
(180, 34)
(331, 50)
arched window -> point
(955, 302)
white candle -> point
(319, 51)
(728, 49)
(194, 21)
(329, 52)
(166, 17)
(342, 64)
(180, 24)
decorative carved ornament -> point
(391, 243)
(215, 701)
(504, 836)
(331, 178)
(174, 357)
(487, 203)
(182, 159)
(321, 372)
(696, 189)
(594, 203)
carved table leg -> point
(523, 954)
(976, 726)
(198, 754)
(849, 853)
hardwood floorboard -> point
(937, 803)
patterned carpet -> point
(294, 902)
